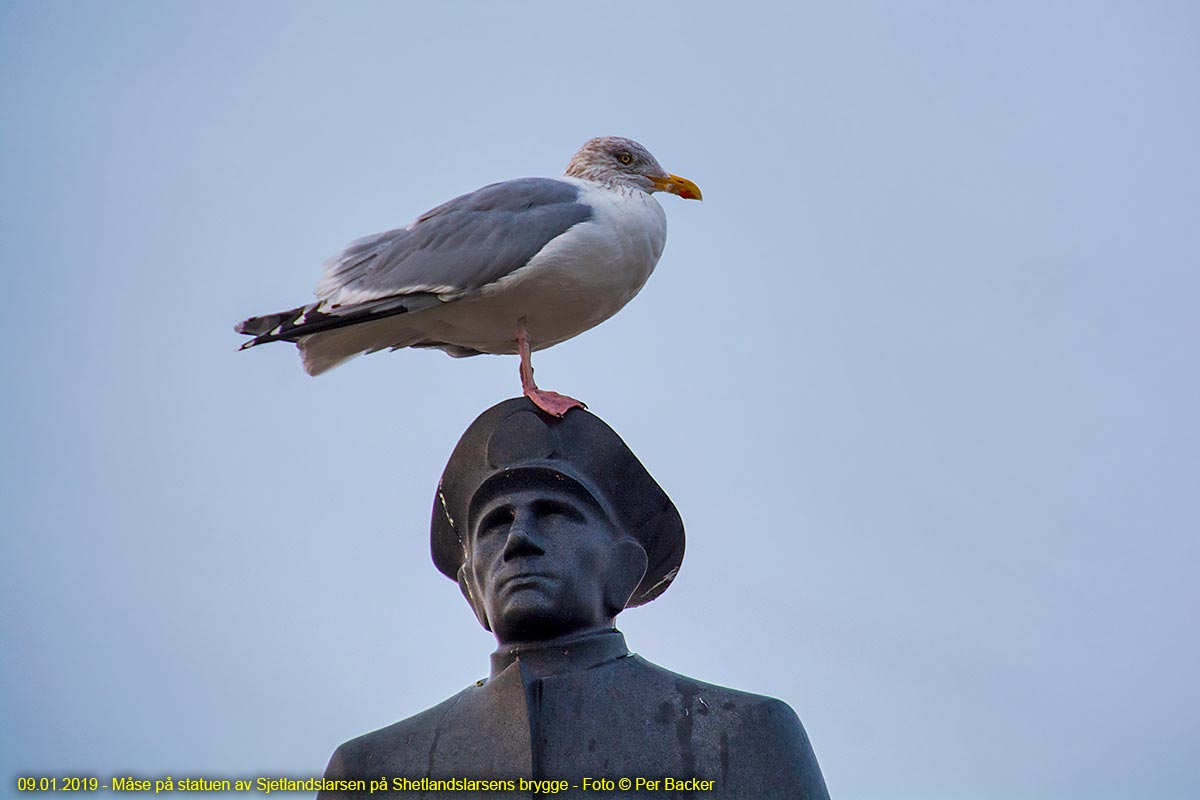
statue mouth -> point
(524, 580)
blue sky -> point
(920, 374)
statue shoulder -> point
(401, 743)
(760, 740)
(691, 691)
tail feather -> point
(297, 323)
(329, 334)
(271, 327)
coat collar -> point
(568, 654)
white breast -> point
(574, 283)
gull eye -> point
(625, 158)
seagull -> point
(511, 268)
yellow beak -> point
(677, 185)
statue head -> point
(551, 526)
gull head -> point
(616, 161)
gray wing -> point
(458, 247)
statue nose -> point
(523, 536)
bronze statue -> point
(551, 527)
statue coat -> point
(587, 708)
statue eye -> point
(555, 508)
(497, 521)
(625, 158)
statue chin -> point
(532, 617)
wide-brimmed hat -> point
(515, 437)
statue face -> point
(541, 562)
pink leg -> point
(551, 402)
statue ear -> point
(464, 586)
(626, 572)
